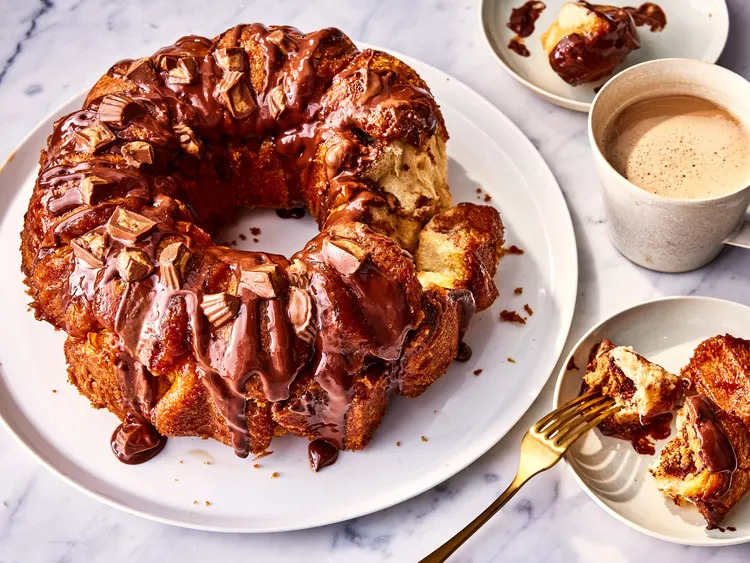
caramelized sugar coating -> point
(587, 41)
(707, 463)
(180, 337)
(720, 369)
(646, 393)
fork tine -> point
(581, 416)
(570, 414)
(577, 433)
(567, 406)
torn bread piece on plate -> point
(587, 41)
(645, 392)
(707, 463)
(720, 369)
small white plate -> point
(461, 416)
(665, 331)
(696, 29)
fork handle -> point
(446, 550)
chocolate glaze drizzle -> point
(322, 454)
(641, 435)
(523, 18)
(135, 441)
(293, 213)
(522, 21)
(649, 14)
(716, 449)
(579, 58)
(517, 45)
(192, 99)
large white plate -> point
(665, 331)
(696, 29)
(461, 416)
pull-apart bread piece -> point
(708, 462)
(720, 369)
(587, 41)
(457, 258)
(646, 393)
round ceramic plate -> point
(665, 331)
(202, 484)
(696, 29)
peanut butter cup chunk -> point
(299, 310)
(277, 102)
(95, 137)
(178, 254)
(133, 264)
(231, 59)
(344, 255)
(219, 308)
(117, 109)
(141, 71)
(265, 281)
(174, 261)
(138, 153)
(235, 94)
(95, 189)
(284, 41)
(189, 141)
(91, 248)
(169, 276)
(182, 70)
(128, 226)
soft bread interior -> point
(573, 18)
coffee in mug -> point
(670, 139)
(679, 146)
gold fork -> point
(541, 448)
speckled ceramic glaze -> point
(657, 232)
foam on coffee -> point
(681, 147)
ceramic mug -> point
(654, 231)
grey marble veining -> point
(51, 49)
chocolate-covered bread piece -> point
(587, 41)
(707, 463)
(646, 393)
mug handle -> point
(741, 237)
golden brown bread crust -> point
(438, 333)
(718, 372)
(683, 474)
(720, 369)
(264, 117)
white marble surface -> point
(51, 49)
